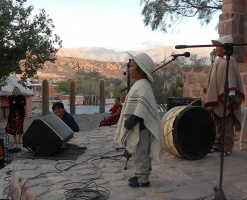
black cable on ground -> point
(87, 191)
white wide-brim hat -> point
(145, 63)
(224, 39)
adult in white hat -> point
(214, 101)
(139, 128)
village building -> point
(7, 90)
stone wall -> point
(194, 79)
(233, 21)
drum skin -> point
(189, 132)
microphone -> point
(186, 54)
(128, 67)
(126, 71)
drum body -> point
(189, 131)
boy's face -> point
(219, 50)
(133, 72)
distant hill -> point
(66, 68)
(81, 62)
(103, 54)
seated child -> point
(114, 116)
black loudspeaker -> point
(46, 135)
(181, 101)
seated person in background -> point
(58, 110)
(114, 116)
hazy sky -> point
(117, 25)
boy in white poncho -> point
(214, 100)
(139, 126)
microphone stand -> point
(128, 76)
(219, 194)
(174, 58)
(126, 154)
(228, 51)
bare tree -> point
(167, 14)
(162, 81)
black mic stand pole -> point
(219, 194)
(128, 76)
(228, 51)
(126, 154)
(174, 58)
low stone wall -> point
(194, 79)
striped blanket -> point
(140, 102)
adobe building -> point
(7, 91)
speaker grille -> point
(46, 135)
(175, 101)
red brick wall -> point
(38, 90)
(4, 106)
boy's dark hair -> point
(57, 105)
(117, 98)
(138, 69)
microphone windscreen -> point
(187, 54)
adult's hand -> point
(232, 100)
(209, 109)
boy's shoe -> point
(134, 178)
(138, 183)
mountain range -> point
(103, 54)
(78, 63)
(66, 68)
(107, 55)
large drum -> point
(189, 131)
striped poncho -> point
(215, 86)
(140, 102)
